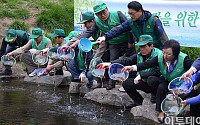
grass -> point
(18, 25)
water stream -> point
(24, 104)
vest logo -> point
(9, 36)
(178, 70)
(33, 32)
(148, 26)
(99, 7)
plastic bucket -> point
(171, 105)
(115, 73)
(94, 69)
(8, 62)
(39, 59)
(64, 53)
(181, 87)
(52, 53)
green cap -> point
(86, 16)
(71, 35)
(144, 39)
(99, 7)
(10, 35)
(57, 32)
(36, 32)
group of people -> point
(157, 61)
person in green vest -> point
(148, 79)
(13, 40)
(70, 36)
(141, 22)
(122, 44)
(35, 44)
(172, 64)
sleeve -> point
(193, 100)
(187, 63)
(22, 49)
(159, 31)
(49, 44)
(24, 39)
(154, 72)
(77, 37)
(127, 61)
(196, 63)
(114, 33)
(3, 47)
(90, 31)
(148, 64)
(122, 18)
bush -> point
(19, 26)
(58, 16)
(192, 52)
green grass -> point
(192, 52)
(18, 25)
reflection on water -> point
(26, 104)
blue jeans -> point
(75, 71)
(8, 49)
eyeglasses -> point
(132, 14)
(167, 54)
(103, 12)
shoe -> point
(121, 89)
(32, 74)
(6, 72)
(134, 105)
(153, 98)
(109, 87)
(99, 85)
(105, 83)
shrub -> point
(192, 52)
(19, 26)
(21, 13)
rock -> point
(78, 88)
(64, 79)
(109, 97)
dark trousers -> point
(117, 50)
(161, 92)
(149, 87)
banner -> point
(181, 19)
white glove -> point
(101, 39)
(137, 79)
(33, 51)
(82, 76)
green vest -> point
(154, 53)
(45, 40)
(80, 61)
(178, 69)
(113, 21)
(148, 28)
(20, 34)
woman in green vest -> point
(172, 63)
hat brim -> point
(141, 43)
(83, 21)
(97, 11)
(34, 36)
(9, 39)
(52, 35)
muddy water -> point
(26, 104)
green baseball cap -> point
(144, 39)
(86, 16)
(36, 32)
(10, 35)
(71, 35)
(99, 7)
(57, 32)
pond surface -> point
(26, 104)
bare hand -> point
(127, 68)
(9, 55)
(186, 75)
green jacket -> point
(154, 53)
(113, 21)
(45, 40)
(148, 28)
(178, 69)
